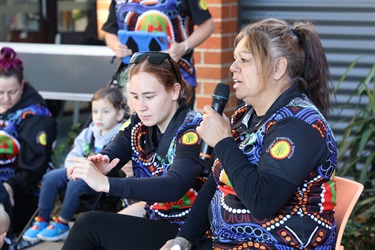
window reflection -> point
(51, 21)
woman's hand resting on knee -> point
(177, 243)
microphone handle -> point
(218, 105)
(206, 151)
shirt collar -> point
(162, 146)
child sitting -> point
(107, 116)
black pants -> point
(111, 231)
(23, 210)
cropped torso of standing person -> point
(186, 23)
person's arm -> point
(110, 28)
(37, 134)
(204, 26)
(200, 34)
(179, 178)
(113, 42)
(264, 189)
(170, 187)
(197, 222)
(201, 18)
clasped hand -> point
(213, 127)
(177, 243)
(176, 50)
(92, 170)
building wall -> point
(214, 57)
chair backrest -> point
(347, 194)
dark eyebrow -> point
(144, 93)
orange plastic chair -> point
(347, 195)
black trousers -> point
(24, 208)
(111, 231)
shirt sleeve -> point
(188, 148)
(111, 25)
(181, 175)
(170, 187)
(198, 222)
(197, 10)
(264, 189)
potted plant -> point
(356, 159)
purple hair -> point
(10, 65)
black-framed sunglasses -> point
(154, 57)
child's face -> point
(105, 116)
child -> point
(107, 114)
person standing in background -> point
(27, 134)
(174, 17)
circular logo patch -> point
(281, 149)
(190, 138)
(203, 4)
(126, 124)
(42, 138)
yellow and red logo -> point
(190, 138)
(42, 138)
(281, 149)
(155, 21)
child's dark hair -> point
(10, 65)
(112, 95)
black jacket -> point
(35, 130)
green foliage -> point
(357, 159)
(62, 148)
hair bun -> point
(8, 59)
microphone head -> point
(221, 91)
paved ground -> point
(47, 246)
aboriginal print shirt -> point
(152, 155)
(27, 132)
(176, 18)
(306, 221)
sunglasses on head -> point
(154, 57)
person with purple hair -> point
(27, 133)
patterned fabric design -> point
(233, 225)
(158, 16)
(152, 165)
(9, 137)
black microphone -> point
(219, 100)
